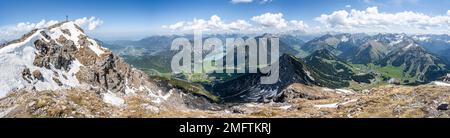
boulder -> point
(298, 90)
(442, 107)
(38, 75)
(26, 75)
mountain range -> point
(59, 71)
(335, 61)
(418, 60)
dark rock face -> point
(110, 72)
(26, 75)
(248, 87)
(50, 53)
(57, 81)
(31, 77)
(104, 73)
(66, 31)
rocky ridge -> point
(54, 61)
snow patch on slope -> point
(407, 47)
(95, 47)
(332, 105)
(14, 59)
(343, 91)
(335, 105)
(159, 97)
(439, 83)
(285, 107)
(113, 99)
(18, 56)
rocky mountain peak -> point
(247, 87)
(62, 56)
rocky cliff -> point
(62, 58)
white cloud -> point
(12, 32)
(373, 20)
(215, 23)
(196, 24)
(265, 1)
(299, 25)
(175, 26)
(239, 25)
(241, 1)
(268, 22)
(15, 31)
(250, 1)
(390, 3)
(90, 22)
(271, 20)
(348, 6)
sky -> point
(135, 19)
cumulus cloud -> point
(241, 1)
(390, 3)
(265, 1)
(215, 23)
(299, 25)
(239, 25)
(90, 22)
(11, 32)
(15, 31)
(371, 19)
(250, 1)
(175, 26)
(271, 20)
(268, 22)
(348, 6)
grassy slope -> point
(384, 72)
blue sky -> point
(139, 18)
